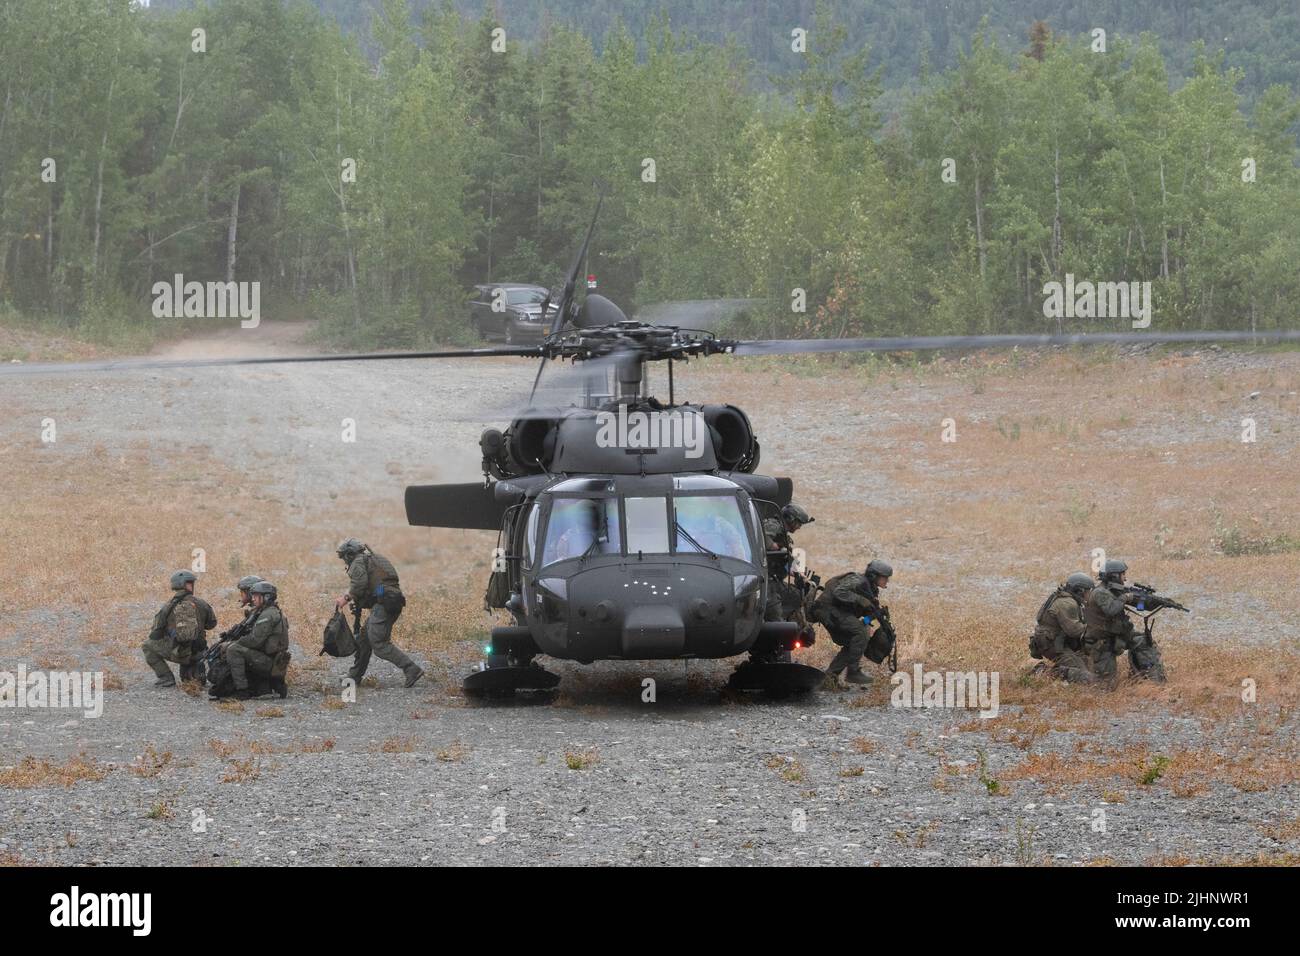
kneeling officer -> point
(264, 650)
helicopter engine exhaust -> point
(734, 443)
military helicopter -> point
(629, 527)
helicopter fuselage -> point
(638, 568)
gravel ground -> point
(593, 776)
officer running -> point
(373, 586)
(849, 608)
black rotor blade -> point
(923, 343)
(112, 365)
(570, 282)
(565, 385)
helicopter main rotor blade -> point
(923, 343)
(113, 365)
(570, 282)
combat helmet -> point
(1079, 581)
(792, 514)
(880, 568)
(182, 578)
(349, 548)
(1113, 571)
(267, 589)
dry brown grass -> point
(398, 745)
(1285, 832)
(788, 768)
(268, 713)
(1028, 489)
(1187, 773)
(242, 771)
(581, 759)
(32, 772)
(151, 762)
(454, 752)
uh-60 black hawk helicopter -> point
(613, 543)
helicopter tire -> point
(778, 679)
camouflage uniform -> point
(1059, 637)
(846, 600)
(158, 651)
(1111, 633)
(784, 599)
(371, 578)
(261, 652)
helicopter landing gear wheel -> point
(777, 678)
(509, 667)
(502, 681)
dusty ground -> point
(1055, 456)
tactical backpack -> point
(186, 628)
(338, 641)
(821, 608)
(219, 678)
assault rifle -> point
(1149, 600)
(1149, 605)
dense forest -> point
(369, 173)
(1259, 37)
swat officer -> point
(178, 632)
(373, 586)
(264, 650)
(849, 608)
(1059, 630)
(784, 599)
(1110, 632)
(244, 585)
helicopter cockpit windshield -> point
(687, 522)
(710, 524)
(581, 527)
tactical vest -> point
(381, 582)
(826, 602)
(1042, 611)
(278, 638)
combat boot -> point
(279, 686)
(168, 681)
(861, 678)
(413, 674)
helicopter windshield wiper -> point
(687, 535)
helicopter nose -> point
(653, 630)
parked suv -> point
(519, 318)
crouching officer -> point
(1059, 630)
(784, 599)
(849, 608)
(178, 632)
(1111, 632)
(373, 586)
(245, 585)
(264, 650)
